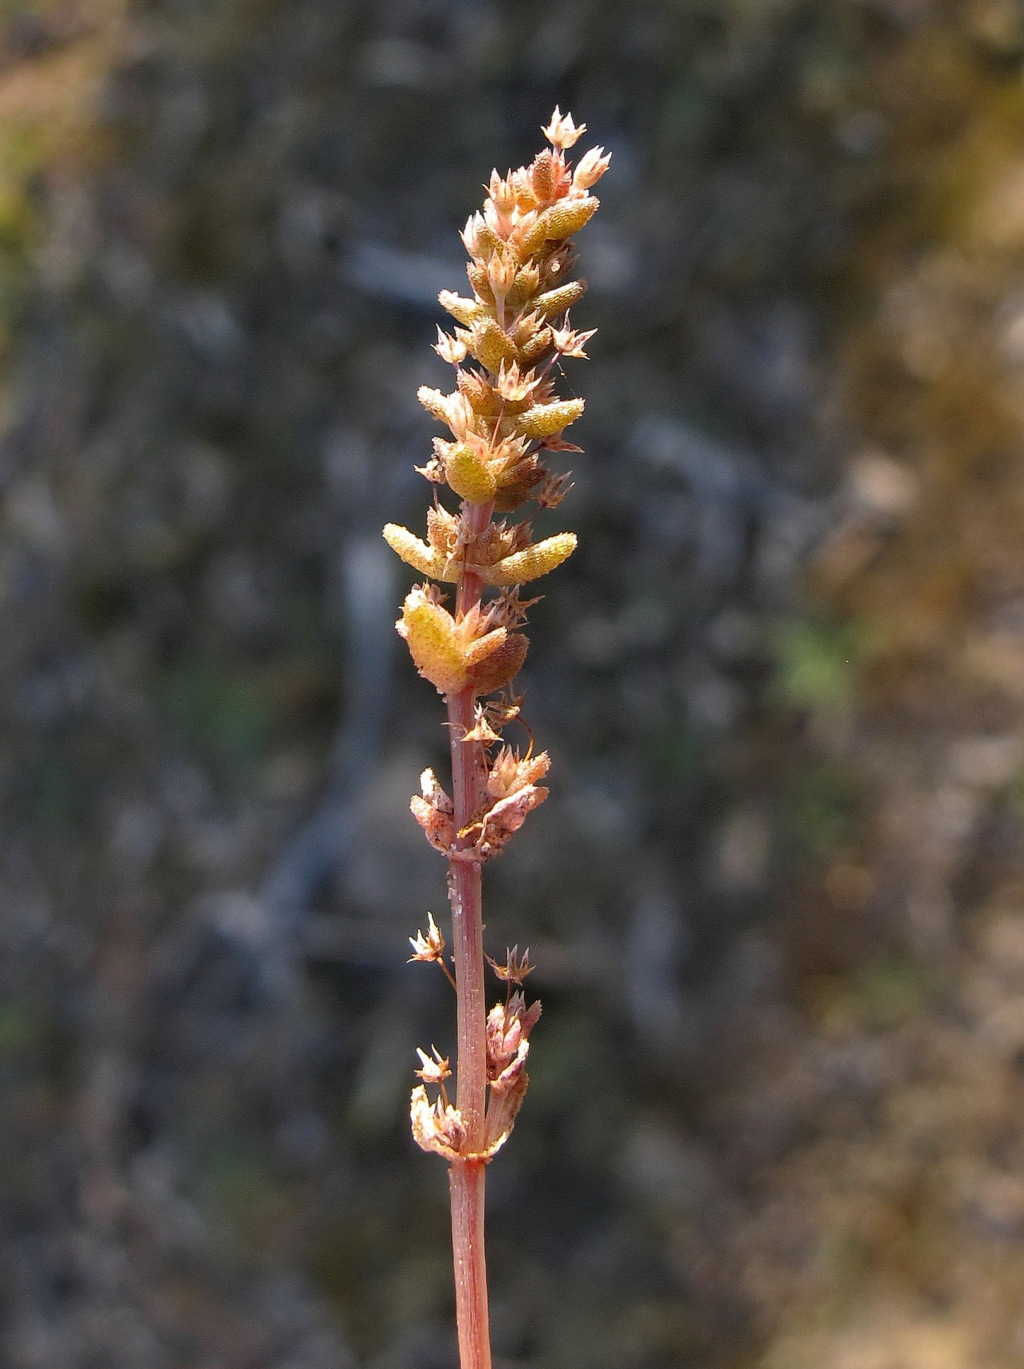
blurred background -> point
(776, 897)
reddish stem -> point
(466, 1179)
(465, 889)
(465, 886)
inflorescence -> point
(505, 417)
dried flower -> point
(434, 1068)
(429, 947)
(591, 167)
(436, 1126)
(515, 967)
(433, 810)
(562, 131)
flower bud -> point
(480, 239)
(438, 826)
(479, 393)
(501, 272)
(502, 193)
(442, 526)
(532, 236)
(535, 344)
(592, 166)
(524, 287)
(561, 131)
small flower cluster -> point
(511, 793)
(504, 415)
(438, 1126)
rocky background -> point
(777, 895)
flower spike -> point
(504, 420)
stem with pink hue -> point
(467, 1178)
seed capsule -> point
(532, 238)
(480, 282)
(535, 345)
(544, 420)
(435, 403)
(532, 563)
(467, 311)
(491, 345)
(524, 287)
(415, 553)
(569, 216)
(479, 392)
(554, 302)
(468, 476)
(432, 638)
(500, 666)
